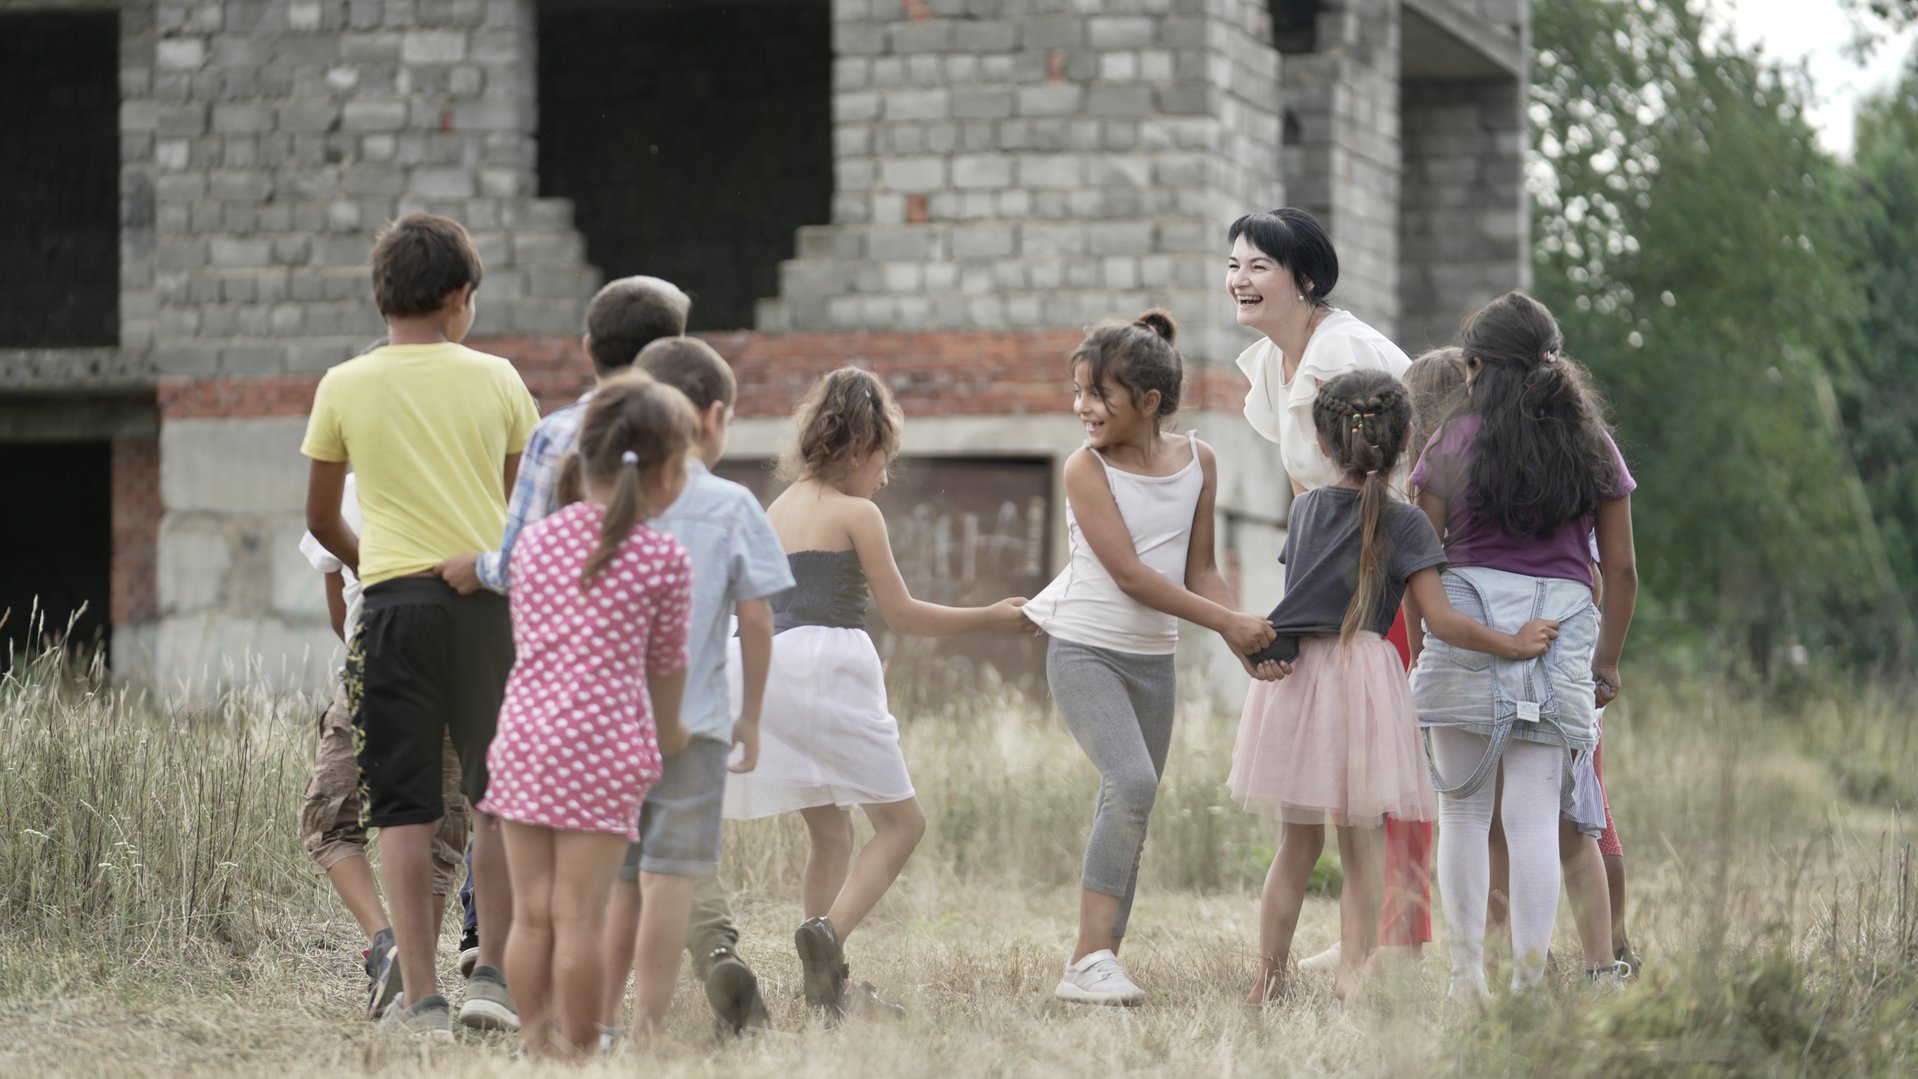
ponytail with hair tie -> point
(633, 424)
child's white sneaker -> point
(1099, 979)
(1325, 960)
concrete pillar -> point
(1341, 115)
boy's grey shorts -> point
(679, 822)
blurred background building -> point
(945, 191)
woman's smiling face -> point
(1261, 289)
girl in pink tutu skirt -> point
(1329, 730)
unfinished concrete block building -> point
(946, 191)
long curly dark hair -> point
(1544, 453)
(1365, 417)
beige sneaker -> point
(488, 1005)
(430, 1018)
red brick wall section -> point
(933, 374)
(972, 373)
(136, 530)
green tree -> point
(1878, 391)
(1691, 236)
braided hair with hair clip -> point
(1364, 417)
(634, 425)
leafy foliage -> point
(1878, 391)
(1690, 235)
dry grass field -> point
(157, 916)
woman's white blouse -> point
(1282, 411)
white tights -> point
(1529, 812)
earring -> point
(1301, 297)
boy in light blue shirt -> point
(670, 876)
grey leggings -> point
(1118, 705)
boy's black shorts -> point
(425, 662)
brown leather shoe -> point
(733, 991)
(822, 966)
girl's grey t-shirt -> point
(1321, 559)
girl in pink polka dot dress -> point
(600, 605)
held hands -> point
(461, 571)
(746, 741)
(1247, 633)
(1608, 684)
(1533, 639)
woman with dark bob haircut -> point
(1281, 269)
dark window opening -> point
(1295, 25)
(1290, 131)
(60, 125)
(693, 139)
(966, 531)
(63, 560)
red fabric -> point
(1608, 844)
(1396, 635)
(1406, 917)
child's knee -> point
(907, 822)
(533, 911)
(830, 834)
(1135, 792)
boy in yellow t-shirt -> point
(433, 431)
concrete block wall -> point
(1037, 165)
(265, 140)
(262, 144)
(1011, 168)
(1341, 106)
(1465, 232)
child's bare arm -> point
(325, 485)
(1104, 528)
(1620, 560)
(667, 693)
(1434, 509)
(907, 615)
(336, 603)
(1202, 576)
(1448, 625)
(755, 659)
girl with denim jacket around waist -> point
(1139, 517)
(1331, 733)
(1515, 483)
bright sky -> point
(1817, 31)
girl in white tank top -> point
(1139, 514)
(1085, 603)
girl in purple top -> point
(1515, 485)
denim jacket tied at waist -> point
(1548, 699)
